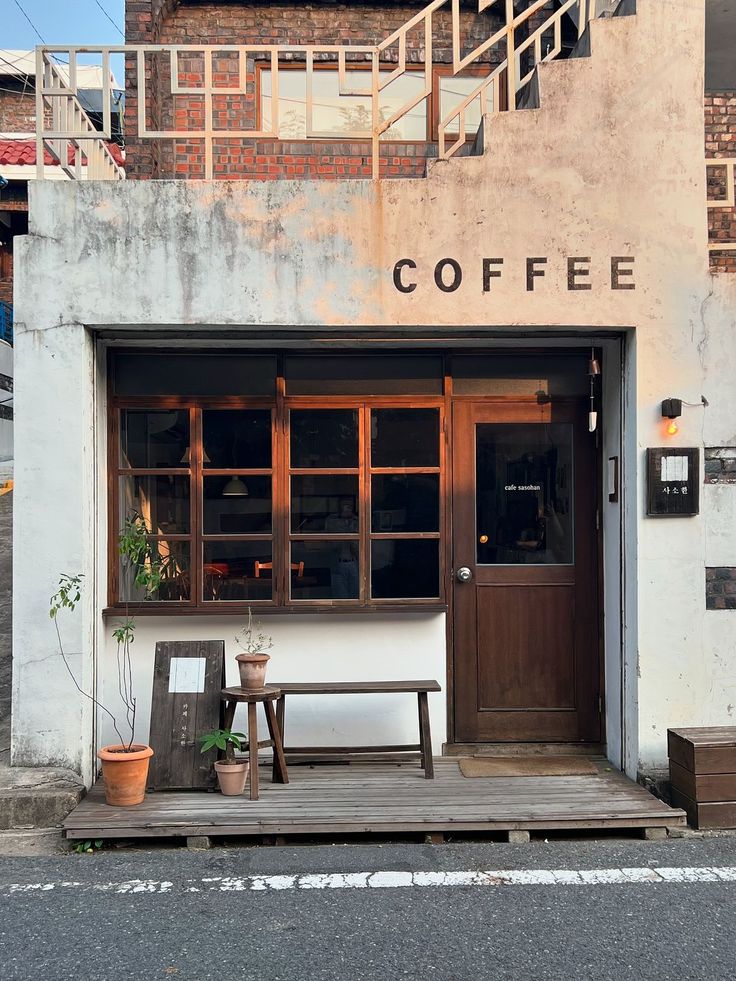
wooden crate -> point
(703, 774)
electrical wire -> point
(36, 31)
(120, 32)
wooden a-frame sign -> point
(187, 679)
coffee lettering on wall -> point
(447, 275)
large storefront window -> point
(300, 500)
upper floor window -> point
(335, 116)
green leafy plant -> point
(225, 740)
(252, 639)
(88, 847)
(148, 565)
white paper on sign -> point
(674, 468)
(186, 674)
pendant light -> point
(594, 369)
(235, 488)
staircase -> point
(180, 77)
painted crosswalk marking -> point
(388, 880)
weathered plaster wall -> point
(608, 166)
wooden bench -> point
(412, 751)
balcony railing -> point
(505, 62)
(6, 322)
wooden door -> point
(526, 631)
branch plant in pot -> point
(231, 773)
(124, 763)
(253, 659)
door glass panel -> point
(405, 438)
(326, 438)
(524, 494)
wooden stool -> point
(267, 695)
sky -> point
(59, 22)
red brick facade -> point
(17, 105)
(274, 22)
(720, 141)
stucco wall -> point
(611, 165)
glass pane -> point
(172, 561)
(237, 505)
(347, 116)
(154, 438)
(236, 439)
(324, 438)
(524, 494)
(363, 375)
(237, 571)
(453, 90)
(405, 438)
(162, 502)
(325, 570)
(194, 374)
(405, 568)
(325, 503)
(405, 502)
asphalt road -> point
(170, 913)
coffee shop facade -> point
(405, 421)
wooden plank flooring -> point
(381, 797)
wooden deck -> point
(382, 798)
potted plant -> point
(253, 661)
(231, 773)
(124, 763)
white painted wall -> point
(312, 648)
(611, 165)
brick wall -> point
(17, 105)
(720, 588)
(720, 141)
(275, 22)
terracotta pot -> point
(125, 773)
(231, 777)
(252, 669)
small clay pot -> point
(252, 669)
(125, 773)
(231, 777)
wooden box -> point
(703, 774)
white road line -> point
(388, 880)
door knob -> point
(463, 574)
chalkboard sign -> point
(187, 679)
(673, 482)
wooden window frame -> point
(281, 535)
(432, 100)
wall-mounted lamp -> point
(672, 410)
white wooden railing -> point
(727, 164)
(517, 44)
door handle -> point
(464, 574)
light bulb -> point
(673, 428)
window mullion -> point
(196, 557)
(280, 490)
(365, 501)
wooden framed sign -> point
(187, 679)
(673, 481)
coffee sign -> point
(447, 275)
